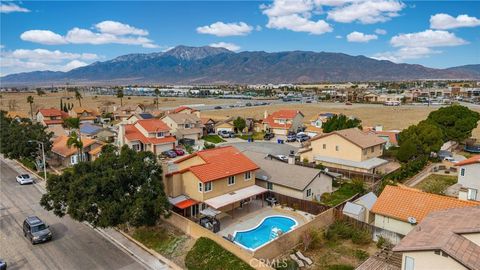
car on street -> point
(292, 137)
(282, 157)
(218, 107)
(226, 134)
(179, 152)
(248, 104)
(24, 179)
(170, 154)
(268, 136)
(36, 230)
(303, 138)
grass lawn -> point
(436, 183)
(159, 239)
(347, 190)
(256, 136)
(208, 255)
(213, 139)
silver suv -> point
(36, 230)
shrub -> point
(316, 241)
(343, 230)
(382, 242)
(28, 163)
(360, 237)
(360, 254)
(305, 160)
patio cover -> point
(235, 196)
(210, 212)
(182, 201)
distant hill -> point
(197, 65)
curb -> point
(152, 252)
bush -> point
(409, 169)
(360, 237)
(305, 160)
(28, 163)
(382, 242)
(317, 238)
(360, 254)
(344, 230)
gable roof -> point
(182, 108)
(468, 161)
(133, 134)
(15, 114)
(414, 203)
(78, 110)
(153, 125)
(355, 136)
(181, 118)
(61, 148)
(442, 230)
(52, 112)
(285, 114)
(220, 162)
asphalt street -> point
(75, 245)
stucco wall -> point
(221, 186)
(392, 224)
(195, 160)
(346, 150)
(428, 260)
(470, 179)
(474, 237)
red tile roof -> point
(61, 148)
(182, 108)
(51, 112)
(285, 114)
(153, 125)
(133, 134)
(468, 161)
(400, 202)
(220, 162)
(53, 122)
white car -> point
(24, 179)
(282, 157)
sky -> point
(62, 35)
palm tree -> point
(157, 93)
(78, 97)
(120, 96)
(74, 123)
(75, 140)
(30, 101)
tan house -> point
(65, 156)
(222, 179)
(17, 115)
(224, 125)
(146, 135)
(444, 240)
(185, 110)
(283, 121)
(399, 209)
(184, 126)
(84, 114)
(51, 116)
(123, 112)
(347, 150)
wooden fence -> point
(311, 207)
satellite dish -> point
(412, 220)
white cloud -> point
(228, 46)
(338, 36)
(427, 38)
(379, 31)
(366, 11)
(360, 37)
(24, 60)
(11, 7)
(295, 16)
(221, 29)
(110, 32)
(406, 53)
(445, 21)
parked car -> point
(179, 152)
(268, 136)
(3, 265)
(248, 104)
(36, 230)
(218, 107)
(24, 179)
(291, 137)
(282, 157)
(303, 137)
(450, 159)
(348, 103)
(226, 134)
(170, 154)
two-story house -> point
(86, 115)
(146, 135)
(221, 178)
(51, 116)
(184, 126)
(346, 150)
(283, 121)
(444, 240)
(65, 156)
(468, 178)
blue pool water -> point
(264, 232)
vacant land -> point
(436, 183)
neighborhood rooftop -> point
(356, 136)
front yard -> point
(256, 136)
(436, 183)
(213, 139)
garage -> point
(164, 147)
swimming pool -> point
(267, 230)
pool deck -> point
(251, 215)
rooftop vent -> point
(412, 220)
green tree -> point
(239, 124)
(339, 122)
(30, 102)
(61, 103)
(40, 92)
(456, 122)
(74, 139)
(78, 97)
(117, 188)
(419, 140)
(157, 93)
(120, 96)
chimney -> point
(265, 114)
(291, 158)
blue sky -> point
(60, 35)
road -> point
(75, 245)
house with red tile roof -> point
(468, 178)
(66, 156)
(84, 114)
(283, 121)
(220, 178)
(390, 136)
(146, 135)
(445, 239)
(184, 126)
(50, 116)
(399, 208)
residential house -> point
(360, 209)
(390, 136)
(469, 178)
(84, 114)
(65, 156)
(184, 126)
(290, 179)
(123, 112)
(186, 110)
(138, 116)
(399, 209)
(146, 135)
(314, 127)
(97, 132)
(348, 150)
(283, 121)
(222, 179)
(17, 115)
(208, 125)
(444, 240)
(224, 125)
(50, 116)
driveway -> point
(264, 147)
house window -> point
(187, 125)
(248, 175)
(324, 146)
(160, 134)
(409, 263)
(74, 159)
(472, 194)
(269, 186)
(208, 186)
(231, 180)
(309, 192)
(136, 147)
(337, 148)
(462, 172)
(200, 187)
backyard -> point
(346, 191)
(436, 183)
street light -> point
(44, 161)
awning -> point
(181, 201)
(235, 196)
(210, 212)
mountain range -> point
(205, 65)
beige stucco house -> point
(283, 121)
(65, 156)
(468, 178)
(184, 125)
(444, 240)
(86, 115)
(146, 135)
(49, 117)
